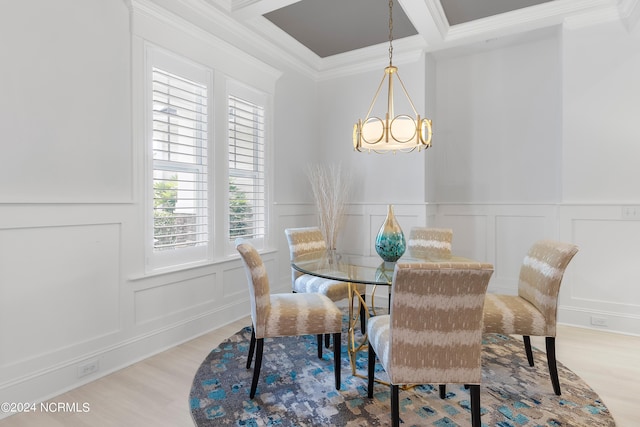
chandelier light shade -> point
(392, 133)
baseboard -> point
(53, 381)
(599, 320)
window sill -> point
(184, 268)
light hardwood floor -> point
(154, 392)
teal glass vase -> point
(390, 241)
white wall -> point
(601, 65)
(73, 285)
(531, 140)
(51, 79)
(71, 246)
(538, 140)
(385, 178)
(499, 135)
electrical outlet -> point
(631, 212)
(88, 368)
(598, 321)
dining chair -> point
(304, 241)
(434, 331)
(428, 243)
(533, 312)
(290, 314)
(425, 242)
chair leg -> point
(363, 319)
(327, 340)
(370, 371)
(337, 350)
(395, 406)
(319, 336)
(551, 361)
(527, 349)
(443, 391)
(256, 369)
(475, 404)
(252, 346)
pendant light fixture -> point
(394, 133)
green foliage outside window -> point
(240, 212)
(165, 198)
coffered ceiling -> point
(329, 33)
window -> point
(180, 168)
(246, 169)
(205, 178)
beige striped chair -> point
(279, 315)
(428, 243)
(534, 310)
(425, 242)
(303, 242)
(433, 334)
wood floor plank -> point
(154, 392)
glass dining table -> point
(358, 269)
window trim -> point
(159, 261)
(248, 93)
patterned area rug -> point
(297, 389)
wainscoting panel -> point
(234, 283)
(178, 299)
(59, 289)
(514, 236)
(499, 234)
(616, 245)
(470, 233)
(600, 289)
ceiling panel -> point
(330, 27)
(461, 11)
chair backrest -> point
(427, 242)
(540, 277)
(435, 331)
(303, 241)
(259, 291)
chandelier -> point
(394, 133)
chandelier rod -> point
(390, 33)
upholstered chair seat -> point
(290, 314)
(533, 312)
(433, 334)
(333, 289)
(304, 242)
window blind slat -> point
(180, 162)
(246, 169)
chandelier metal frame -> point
(395, 133)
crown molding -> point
(152, 10)
(405, 51)
(249, 36)
(592, 17)
(240, 23)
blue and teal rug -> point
(297, 389)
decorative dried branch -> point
(330, 186)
